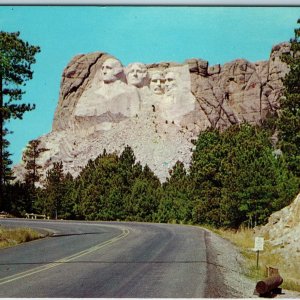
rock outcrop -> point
(283, 230)
(157, 109)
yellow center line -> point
(11, 278)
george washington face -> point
(111, 70)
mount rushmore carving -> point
(157, 109)
(116, 93)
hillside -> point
(157, 109)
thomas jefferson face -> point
(136, 74)
(110, 69)
(157, 83)
(170, 82)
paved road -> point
(109, 260)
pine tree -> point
(95, 184)
(67, 205)
(252, 177)
(30, 159)
(32, 175)
(17, 199)
(237, 178)
(16, 58)
(176, 205)
(113, 187)
(205, 174)
(143, 200)
(288, 123)
(54, 190)
(7, 172)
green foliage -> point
(111, 187)
(115, 187)
(50, 199)
(234, 178)
(205, 173)
(16, 59)
(143, 200)
(32, 175)
(237, 177)
(98, 181)
(30, 158)
(17, 199)
(288, 123)
(66, 207)
(7, 172)
(253, 176)
(175, 205)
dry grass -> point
(244, 240)
(11, 237)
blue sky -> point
(131, 33)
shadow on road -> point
(70, 234)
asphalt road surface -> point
(111, 260)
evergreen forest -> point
(235, 178)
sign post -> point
(259, 246)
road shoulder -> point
(230, 263)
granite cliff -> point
(283, 232)
(157, 109)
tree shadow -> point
(71, 234)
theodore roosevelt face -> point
(157, 83)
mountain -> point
(158, 109)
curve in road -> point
(111, 259)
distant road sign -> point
(259, 244)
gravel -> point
(231, 264)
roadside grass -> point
(244, 240)
(12, 237)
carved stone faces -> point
(137, 74)
(170, 82)
(111, 70)
(157, 82)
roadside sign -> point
(259, 244)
